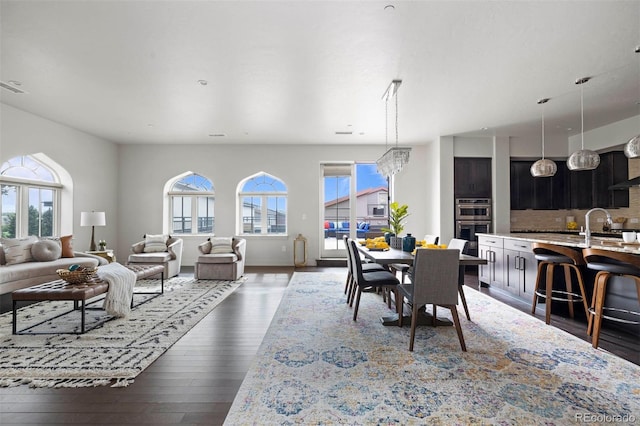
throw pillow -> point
(221, 245)
(155, 243)
(46, 250)
(2, 259)
(18, 250)
(205, 248)
(66, 244)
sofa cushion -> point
(46, 250)
(155, 243)
(66, 243)
(218, 258)
(158, 257)
(34, 270)
(221, 245)
(18, 250)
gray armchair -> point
(170, 258)
(221, 258)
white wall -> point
(145, 169)
(90, 161)
(613, 135)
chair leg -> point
(355, 309)
(464, 301)
(582, 292)
(593, 303)
(567, 281)
(548, 293)
(414, 321)
(346, 283)
(536, 287)
(599, 309)
(349, 292)
(434, 317)
(456, 321)
(400, 309)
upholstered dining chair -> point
(349, 286)
(384, 280)
(403, 268)
(435, 281)
(460, 244)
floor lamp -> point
(93, 219)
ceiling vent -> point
(11, 88)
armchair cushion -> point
(157, 257)
(218, 258)
(155, 243)
(221, 245)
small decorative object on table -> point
(618, 222)
(102, 244)
(77, 274)
(408, 243)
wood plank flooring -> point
(195, 381)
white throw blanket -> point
(121, 281)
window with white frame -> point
(192, 199)
(263, 205)
(30, 197)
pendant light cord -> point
(543, 131)
(582, 112)
(386, 124)
(396, 119)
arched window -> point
(192, 198)
(30, 198)
(262, 202)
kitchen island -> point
(512, 268)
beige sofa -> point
(170, 257)
(27, 274)
(221, 259)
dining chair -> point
(384, 280)
(349, 285)
(435, 281)
(403, 268)
(460, 244)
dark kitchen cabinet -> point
(472, 177)
(613, 168)
(540, 193)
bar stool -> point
(609, 263)
(550, 256)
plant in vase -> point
(397, 220)
(102, 244)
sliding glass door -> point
(355, 203)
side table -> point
(107, 254)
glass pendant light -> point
(395, 158)
(632, 148)
(584, 159)
(543, 167)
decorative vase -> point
(387, 237)
(396, 243)
(408, 243)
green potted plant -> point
(397, 220)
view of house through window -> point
(263, 205)
(192, 200)
(29, 197)
(355, 204)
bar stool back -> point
(549, 256)
(609, 263)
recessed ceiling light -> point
(389, 7)
(344, 133)
(217, 135)
(203, 82)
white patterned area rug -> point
(317, 366)
(113, 353)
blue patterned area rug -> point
(317, 366)
(113, 353)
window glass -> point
(192, 201)
(263, 205)
(30, 196)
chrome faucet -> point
(587, 229)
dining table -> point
(391, 255)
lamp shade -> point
(544, 168)
(632, 148)
(584, 159)
(93, 219)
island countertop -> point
(606, 243)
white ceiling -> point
(299, 71)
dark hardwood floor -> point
(196, 380)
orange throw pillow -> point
(67, 246)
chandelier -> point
(395, 158)
(584, 159)
(543, 167)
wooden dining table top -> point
(386, 257)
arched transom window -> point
(192, 199)
(30, 198)
(262, 202)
